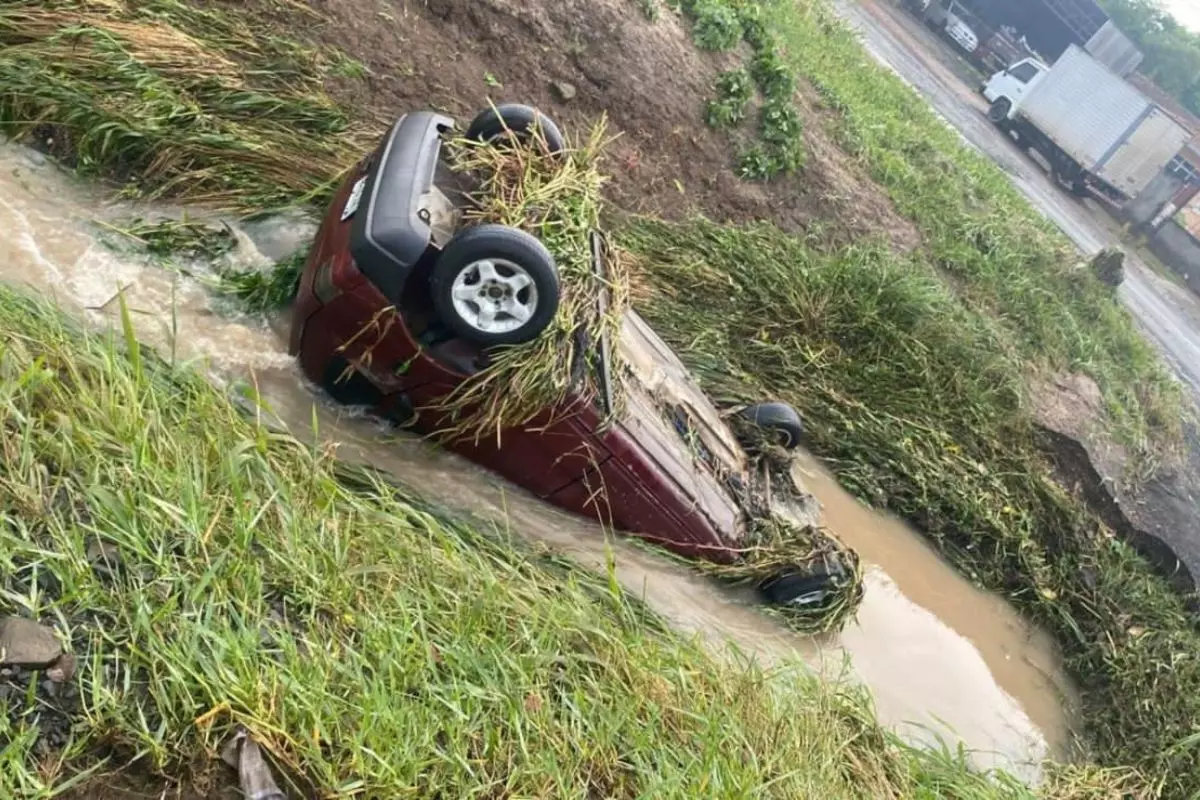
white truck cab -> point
(1005, 89)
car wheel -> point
(513, 119)
(998, 113)
(495, 285)
(779, 418)
(799, 588)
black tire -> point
(514, 119)
(800, 588)
(998, 113)
(519, 252)
(780, 418)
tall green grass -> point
(913, 374)
(915, 400)
(373, 645)
(910, 372)
(1004, 259)
(173, 99)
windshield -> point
(1025, 72)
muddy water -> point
(942, 659)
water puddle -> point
(942, 659)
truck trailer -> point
(1095, 129)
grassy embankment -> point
(912, 372)
(245, 584)
(893, 425)
(242, 583)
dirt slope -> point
(646, 75)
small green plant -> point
(717, 26)
(779, 124)
(772, 77)
(263, 290)
(728, 109)
(649, 9)
(343, 66)
(756, 164)
(492, 81)
(720, 25)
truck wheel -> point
(779, 418)
(513, 119)
(998, 113)
(495, 285)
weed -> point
(263, 290)
(180, 238)
(717, 26)
(756, 164)
(781, 146)
(649, 9)
(191, 102)
(916, 399)
(734, 92)
(772, 76)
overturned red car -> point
(669, 468)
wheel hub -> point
(494, 295)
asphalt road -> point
(1168, 313)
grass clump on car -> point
(555, 198)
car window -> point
(1025, 72)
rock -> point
(1109, 266)
(565, 92)
(24, 643)
(62, 670)
(105, 558)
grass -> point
(557, 198)
(910, 370)
(912, 373)
(173, 100)
(258, 583)
(1005, 260)
(916, 402)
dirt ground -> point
(455, 55)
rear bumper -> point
(390, 231)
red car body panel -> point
(634, 475)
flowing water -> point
(941, 658)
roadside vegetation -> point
(765, 86)
(210, 574)
(912, 372)
(910, 369)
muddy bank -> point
(459, 54)
(1156, 516)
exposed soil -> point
(134, 785)
(455, 55)
(1156, 518)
